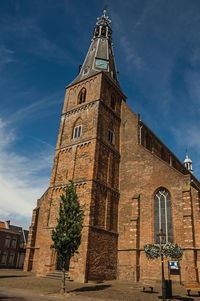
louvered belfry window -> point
(162, 215)
(82, 96)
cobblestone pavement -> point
(16, 285)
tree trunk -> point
(63, 281)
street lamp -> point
(161, 235)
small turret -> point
(188, 163)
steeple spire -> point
(100, 55)
(188, 162)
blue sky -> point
(42, 43)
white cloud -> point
(6, 56)
(37, 108)
(22, 179)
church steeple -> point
(100, 55)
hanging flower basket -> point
(173, 250)
(152, 251)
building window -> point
(110, 136)
(82, 96)
(77, 131)
(112, 103)
(7, 242)
(162, 215)
(4, 257)
(14, 243)
(11, 258)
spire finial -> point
(104, 13)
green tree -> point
(67, 234)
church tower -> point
(87, 152)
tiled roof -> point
(2, 225)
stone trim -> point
(89, 105)
(70, 146)
(109, 110)
(111, 149)
(186, 189)
(79, 108)
(82, 183)
(104, 188)
(101, 230)
(136, 197)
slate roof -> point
(100, 49)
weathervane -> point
(103, 19)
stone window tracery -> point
(82, 96)
(162, 215)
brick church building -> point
(131, 183)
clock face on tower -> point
(101, 64)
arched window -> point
(77, 129)
(162, 215)
(82, 96)
(112, 102)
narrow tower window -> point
(162, 215)
(77, 131)
(82, 96)
(110, 136)
(112, 103)
(111, 133)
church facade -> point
(131, 183)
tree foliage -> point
(67, 234)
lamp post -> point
(161, 235)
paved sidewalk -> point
(7, 294)
(16, 285)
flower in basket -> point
(152, 251)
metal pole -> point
(161, 235)
(163, 277)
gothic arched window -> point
(162, 215)
(82, 96)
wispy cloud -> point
(37, 108)
(6, 56)
(27, 35)
(22, 180)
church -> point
(130, 182)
